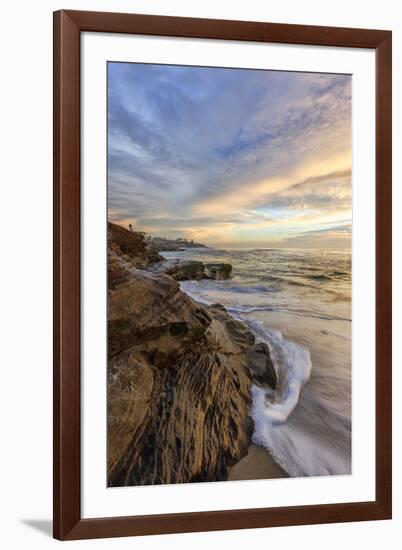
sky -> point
(231, 157)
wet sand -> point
(257, 464)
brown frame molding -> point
(68, 26)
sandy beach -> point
(257, 464)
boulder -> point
(218, 271)
(260, 363)
(184, 270)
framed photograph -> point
(222, 269)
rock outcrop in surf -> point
(186, 270)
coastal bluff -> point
(179, 375)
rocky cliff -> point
(179, 376)
(129, 246)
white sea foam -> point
(292, 446)
(293, 365)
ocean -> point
(299, 303)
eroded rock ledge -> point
(179, 376)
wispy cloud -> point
(228, 155)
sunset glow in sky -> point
(231, 157)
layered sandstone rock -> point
(178, 377)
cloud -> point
(330, 191)
(331, 237)
(227, 152)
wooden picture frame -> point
(68, 26)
